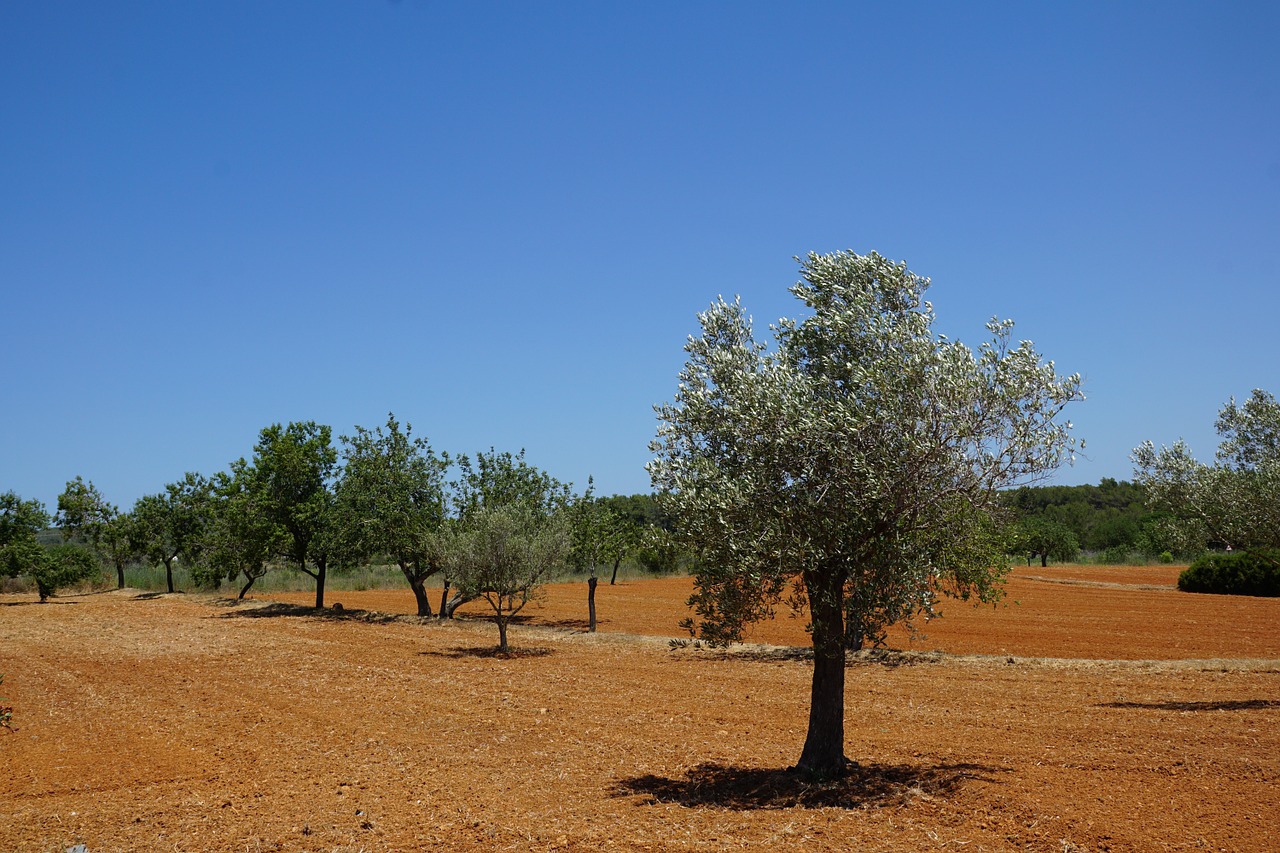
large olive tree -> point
(852, 469)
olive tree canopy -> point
(1236, 500)
(852, 469)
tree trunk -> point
(418, 585)
(591, 602)
(613, 580)
(445, 612)
(168, 572)
(823, 754)
(119, 575)
(322, 565)
(502, 634)
(245, 588)
(1044, 559)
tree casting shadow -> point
(743, 788)
(329, 614)
(1224, 705)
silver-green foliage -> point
(852, 467)
(862, 447)
(1234, 501)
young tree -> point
(509, 534)
(853, 469)
(1236, 500)
(504, 554)
(392, 501)
(597, 534)
(292, 474)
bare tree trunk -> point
(418, 585)
(119, 575)
(613, 580)
(322, 566)
(591, 602)
(168, 572)
(245, 588)
(502, 634)
(823, 753)
(445, 612)
(1044, 559)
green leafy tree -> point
(170, 525)
(63, 565)
(21, 521)
(598, 536)
(391, 500)
(293, 470)
(1233, 502)
(241, 538)
(118, 543)
(852, 470)
(84, 514)
(1048, 540)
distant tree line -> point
(1110, 522)
(488, 526)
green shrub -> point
(1234, 573)
(1116, 555)
(1166, 557)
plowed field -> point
(1097, 710)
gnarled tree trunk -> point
(823, 753)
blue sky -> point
(498, 220)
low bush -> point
(1233, 573)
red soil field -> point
(1097, 709)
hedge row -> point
(1234, 573)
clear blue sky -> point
(498, 220)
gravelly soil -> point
(1104, 712)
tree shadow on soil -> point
(1225, 705)
(746, 788)
(33, 603)
(459, 652)
(329, 614)
(889, 658)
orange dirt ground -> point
(1097, 710)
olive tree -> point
(852, 470)
(510, 533)
(504, 555)
(1236, 500)
(391, 500)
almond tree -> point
(291, 478)
(853, 469)
(391, 500)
